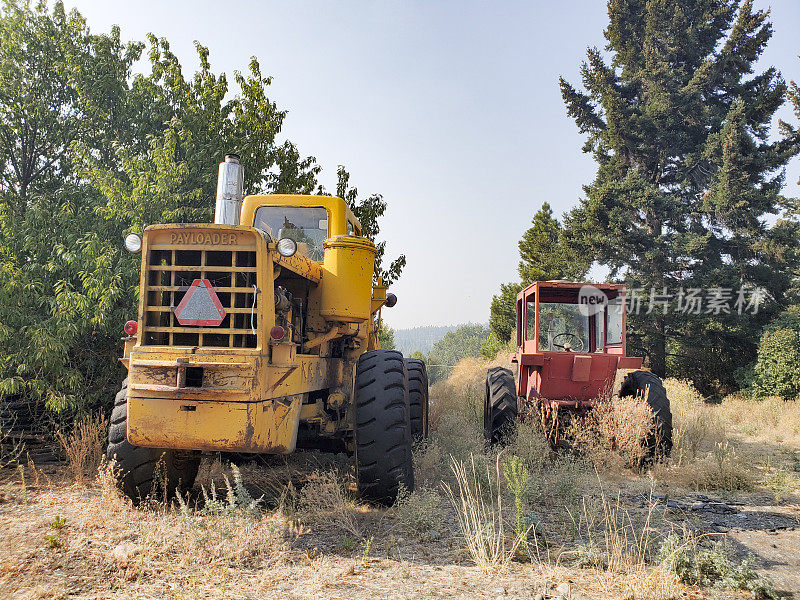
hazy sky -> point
(451, 110)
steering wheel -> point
(566, 345)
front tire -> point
(142, 471)
(500, 407)
(382, 426)
(649, 386)
(418, 397)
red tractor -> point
(571, 348)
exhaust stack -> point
(230, 191)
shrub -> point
(237, 498)
(713, 567)
(418, 512)
(613, 430)
(777, 370)
(325, 499)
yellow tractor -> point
(258, 335)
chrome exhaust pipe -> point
(230, 191)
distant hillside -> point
(421, 339)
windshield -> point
(306, 225)
(562, 327)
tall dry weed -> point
(84, 445)
(480, 515)
(697, 425)
(616, 539)
(614, 432)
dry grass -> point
(460, 397)
(730, 445)
(84, 445)
(311, 538)
(614, 433)
(325, 499)
(479, 507)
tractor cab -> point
(570, 339)
(307, 220)
(554, 316)
(571, 353)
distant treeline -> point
(423, 338)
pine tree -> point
(544, 254)
(679, 127)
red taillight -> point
(277, 333)
(130, 328)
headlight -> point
(133, 242)
(286, 247)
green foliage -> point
(492, 346)
(545, 253)
(777, 369)
(679, 125)
(91, 151)
(368, 211)
(59, 85)
(462, 343)
(386, 336)
(421, 338)
(502, 313)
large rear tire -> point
(649, 386)
(500, 405)
(418, 397)
(382, 426)
(143, 471)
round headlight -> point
(286, 247)
(133, 242)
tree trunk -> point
(658, 349)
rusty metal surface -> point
(268, 426)
(298, 264)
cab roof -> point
(337, 208)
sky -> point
(449, 109)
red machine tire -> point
(650, 387)
(500, 405)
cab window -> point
(563, 327)
(614, 332)
(530, 325)
(306, 225)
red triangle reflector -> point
(200, 305)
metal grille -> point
(232, 274)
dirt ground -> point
(734, 476)
(62, 540)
